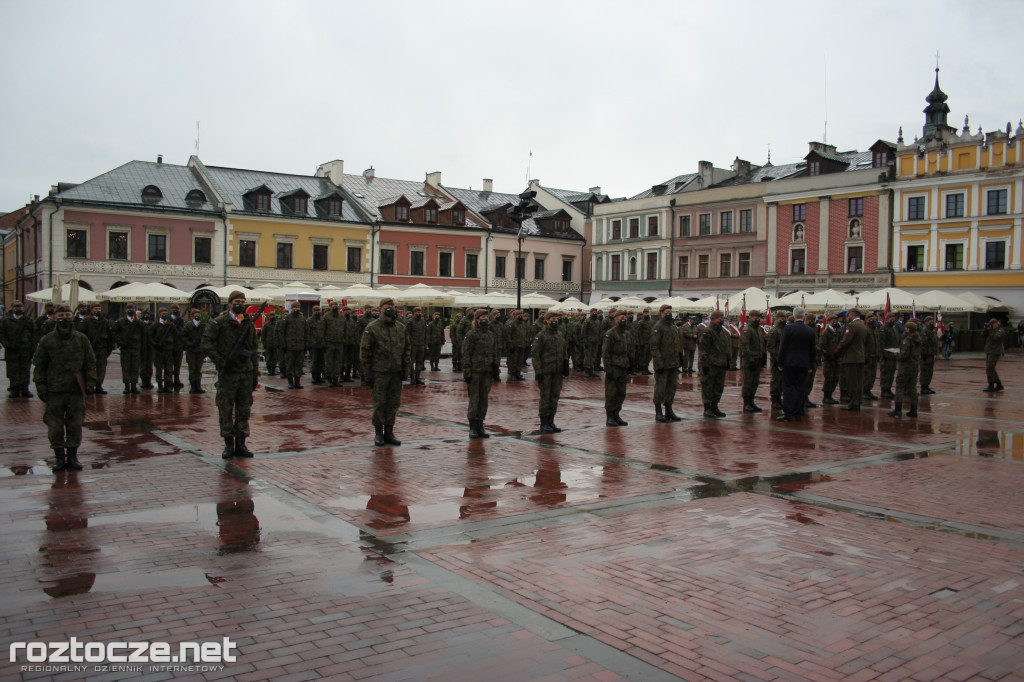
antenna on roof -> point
(197, 138)
(529, 162)
(824, 135)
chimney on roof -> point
(706, 171)
(740, 167)
(821, 147)
(434, 179)
(488, 185)
(595, 190)
(159, 158)
(332, 170)
(369, 173)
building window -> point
(813, 168)
(879, 160)
(561, 225)
(156, 248)
(247, 253)
(430, 214)
(995, 255)
(996, 200)
(471, 259)
(616, 267)
(77, 245)
(857, 207)
(744, 265)
(915, 258)
(652, 226)
(402, 213)
(855, 259)
(915, 208)
(319, 256)
(746, 220)
(444, 264)
(798, 265)
(117, 246)
(458, 217)
(151, 193)
(284, 255)
(634, 228)
(855, 231)
(538, 268)
(387, 261)
(416, 263)
(705, 224)
(202, 250)
(616, 229)
(725, 265)
(954, 256)
(499, 267)
(567, 271)
(520, 267)
(725, 222)
(632, 267)
(799, 212)
(334, 207)
(353, 261)
(684, 267)
(703, 266)
(798, 233)
(652, 265)
(263, 202)
(195, 197)
(301, 204)
(684, 226)
(954, 205)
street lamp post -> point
(520, 213)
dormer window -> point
(334, 206)
(151, 194)
(300, 204)
(814, 168)
(430, 214)
(402, 213)
(257, 198)
(561, 226)
(262, 202)
(458, 217)
(195, 197)
(879, 160)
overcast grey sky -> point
(610, 93)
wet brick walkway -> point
(849, 546)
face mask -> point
(376, 316)
(238, 308)
(623, 322)
(96, 315)
(196, 320)
(389, 312)
(554, 324)
(16, 312)
(419, 316)
(64, 323)
(668, 316)
(174, 316)
(146, 317)
(163, 318)
(131, 313)
(334, 311)
(483, 321)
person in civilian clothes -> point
(797, 352)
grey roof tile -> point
(378, 192)
(124, 184)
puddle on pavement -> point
(25, 469)
(118, 427)
(996, 444)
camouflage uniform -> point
(615, 353)
(481, 358)
(163, 336)
(292, 336)
(179, 345)
(929, 348)
(456, 340)
(550, 354)
(906, 381)
(888, 338)
(772, 344)
(828, 342)
(688, 341)
(100, 333)
(851, 357)
(993, 351)
(664, 344)
(416, 330)
(519, 337)
(192, 338)
(643, 328)
(131, 338)
(268, 337)
(592, 337)
(334, 346)
(386, 358)
(235, 383)
(350, 348)
(872, 350)
(435, 341)
(18, 339)
(60, 359)
(317, 346)
(715, 349)
(752, 355)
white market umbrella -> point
(756, 299)
(987, 303)
(830, 298)
(63, 295)
(569, 305)
(537, 300)
(358, 294)
(899, 300)
(146, 292)
(935, 300)
(794, 299)
(631, 304)
(423, 295)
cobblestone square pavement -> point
(848, 546)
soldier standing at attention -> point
(550, 356)
(888, 338)
(615, 355)
(828, 344)
(453, 333)
(334, 344)
(521, 336)
(909, 359)
(17, 334)
(131, 336)
(230, 342)
(146, 353)
(872, 350)
(179, 345)
(481, 359)
(192, 338)
(268, 337)
(644, 327)
(293, 335)
(994, 334)
(162, 338)
(851, 358)
(350, 348)
(100, 333)
(317, 346)
(664, 343)
(435, 340)
(929, 348)
(45, 323)
(416, 330)
(385, 359)
(752, 355)
(65, 369)
(715, 349)
(593, 334)
(772, 343)
(688, 338)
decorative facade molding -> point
(535, 285)
(147, 269)
(239, 273)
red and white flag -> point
(743, 312)
(939, 328)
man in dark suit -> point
(796, 357)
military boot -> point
(708, 412)
(546, 426)
(99, 390)
(480, 428)
(619, 420)
(192, 387)
(913, 411)
(389, 435)
(72, 462)
(59, 463)
(754, 405)
(748, 406)
(135, 388)
(990, 388)
(297, 384)
(829, 400)
(240, 449)
(670, 415)
(330, 381)
(317, 379)
(177, 382)
(229, 448)
(999, 387)
(888, 394)
(776, 404)
(128, 389)
(551, 423)
(378, 437)
(474, 430)
(658, 415)
(897, 411)
(718, 412)
(610, 419)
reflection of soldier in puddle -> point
(237, 525)
(478, 486)
(548, 483)
(987, 439)
(66, 545)
(386, 498)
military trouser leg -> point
(751, 380)
(810, 383)
(887, 374)
(927, 370)
(316, 361)
(990, 369)
(870, 372)
(514, 362)
(550, 390)
(176, 359)
(593, 356)
(234, 404)
(387, 396)
(688, 360)
(665, 381)
(854, 373)
(63, 416)
(456, 354)
(734, 354)
(19, 368)
(101, 368)
(614, 388)
(163, 366)
(906, 386)
(195, 366)
(293, 362)
(332, 359)
(831, 377)
(146, 365)
(131, 361)
(775, 386)
(479, 390)
(712, 384)
(418, 353)
(349, 354)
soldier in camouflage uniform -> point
(643, 328)
(146, 352)
(828, 343)
(688, 344)
(435, 341)
(615, 353)
(334, 344)
(550, 356)
(453, 333)
(464, 326)
(293, 337)
(888, 337)
(362, 322)
(715, 350)
(386, 360)
(519, 337)
(752, 356)
(45, 323)
(416, 330)
(230, 341)
(851, 358)
(162, 339)
(65, 369)
(17, 335)
(350, 347)
(481, 360)
(316, 345)
(100, 333)
(192, 339)
(664, 342)
(929, 349)
(268, 337)
(772, 345)
(872, 354)
(592, 338)
(909, 365)
(994, 334)
(131, 337)
(179, 345)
